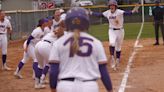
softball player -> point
(42, 51)
(77, 59)
(115, 17)
(57, 19)
(5, 26)
(48, 29)
(29, 45)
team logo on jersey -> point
(2, 26)
(112, 17)
(76, 21)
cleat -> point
(5, 68)
(44, 81)
(155, 44)
(40, 86)
(18, 76)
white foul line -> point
(127, 71)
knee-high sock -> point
(118, 54)
(38, 71)
(112, 50)
(4, 59)
(45, 70)
(20, 65)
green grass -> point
(131, 31)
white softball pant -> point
(116, 38)
(42, 52)
(3, 43)
(30, 53)
(77, 86)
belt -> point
(73, 79)
(116, 28)
(2, 33)
(47, 41)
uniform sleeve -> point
(35, 33)
(121, 12)
(101, 53)
(9, 25)
(105, 14)
(54, 54)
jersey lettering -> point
(89, 47)
(112, 17)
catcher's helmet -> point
(77, 18)
(112, 2)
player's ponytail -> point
(75, 43)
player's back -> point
(51, 37)
(38, 34)
(82, 65)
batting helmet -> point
(42, 21)
(77, 18)
(112, 2)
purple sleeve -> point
(97, 14)
(53, 75)
(128, 13)
(29, 39)
(105, 77)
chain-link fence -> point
(24, 22)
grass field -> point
(131, 31)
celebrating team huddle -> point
(61, 47)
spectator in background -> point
(158, 13)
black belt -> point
(116, 28)
(2, 33)
(73, 79)
(47, 41)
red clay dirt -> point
(146, 72)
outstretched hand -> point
(135, 9)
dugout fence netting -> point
(24, 21)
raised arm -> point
(97, 14)
(130, 12)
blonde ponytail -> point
(75, 43)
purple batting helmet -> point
(77, 18)
(112, 2)
(42, 21)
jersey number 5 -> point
(82, 43)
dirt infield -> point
(146, 72)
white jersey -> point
(63, 16)
(47, 30)
(38, 34)
(55, 23)
(83, 65)
(51, 37)
(4, 25)
(115, 19)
